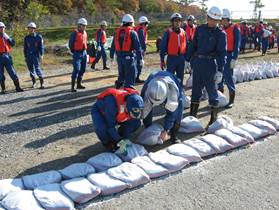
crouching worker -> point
(115, 107)
(162, 87)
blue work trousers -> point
(127, 69)
(228, 75)
(6, 61)
(79, 64)
(34, 66)
(102, 54)
(175, 65)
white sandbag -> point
(151, 135)
(171, 162)
(52, 197)
(245, 76)
(231, 138)
(189, 82)
(270, 120)
(77, 170)
(204, 95)
(275, 71)
(107, 184)
(220, 145)
(1, 207)
(21, 200)
(133, 150)
(129, 173)
(222, 99)
(152, 169)
(104, 161)
(190, 124)
(10, 185)
(33, 181)
(258, 75)
(221, 122)
(186, 101)
(263, 125)
(201, 147)
(240, 132)
(263, 74)
(269, 73)
(80, 190)
(255, 132)
(185, 151)
(252, 75)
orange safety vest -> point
(103, 36)
(190, 31)
(259, 28)
(230, 37)
(174, 48)
(127, 43)
(244, 32)
(139, 27)
(81, 41)
(4, 45)
(120, 96)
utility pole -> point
(257, 5)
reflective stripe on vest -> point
(103, 36)
(80, 41)
(125, 32)
(230, 37)
(119, 96)
(4, 45)
(177, 42)
(139, 27)
(190, 32)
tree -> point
(36, 10)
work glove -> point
(6, 36)
(232, 63)
(187, 67)
(163, 65)
(218, 77)
(164, 136)
(99, 48)
(122, 147)
(141, 62)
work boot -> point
(111, 146)
(3, 87)
(73, 86)
(221, 90)
(18, 88)
(41, 82)
(231, 101)
(105, 67)
(93, 66)
(213, 116)
(173, 133)
(118, 85)
(139, 81)
(33, 81)
(79, 86)
(194, 109)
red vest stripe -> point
(81, 41)
(127, 43)
(4, 45)
(173, 48)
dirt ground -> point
(52, 128)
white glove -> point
(232, 64)
(187, 67)
(142, 63)
(99, 48)
(6, 36)
(218, 77)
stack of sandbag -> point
(191, 124)
(222, 121)
(77, 170)
(151, 135)
(10, 185)
(133, 150)
(203, 148)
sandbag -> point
(104, 161)
(246, 76)
(263, 125)
(222, 100)
(231, 138)
(52, 197)
(21, 200)
(185, 151)
(263, 74)
(107, 184)
(77, 170)
(254, 131)
(151, 135)
(10, 185)
(269, 73)
(152, 169)
(129, 173)
(221, 122)
(275, 72)
(133, 150)
(186, 101)
(220, 145)
(190, 124)
(80, 190)
(189, 82)
(171, 162)
(270, 120)
(240, 132)
(204, 95)
(1, 207)
(201, 147)
(33, 181)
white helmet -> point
(31, 25)
(215, 13)
(226, 14)
(157, 92)
(143, 19)
(176, 16)
(191, 17)
(82, 21)
(103, 23)
(2, 25)
(127, 18)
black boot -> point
(213, 116)
(3, 87)
(194, 109)
(93, 66)
(105, 67)
(118, 85)
(41, 82)
(221, 90)
(73, 86)
(79, 86)
(173, 133)
(139, 81)
(111, 146)
(33, 81)
(231, 101)
(18, 88)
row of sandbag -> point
(46, 191)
